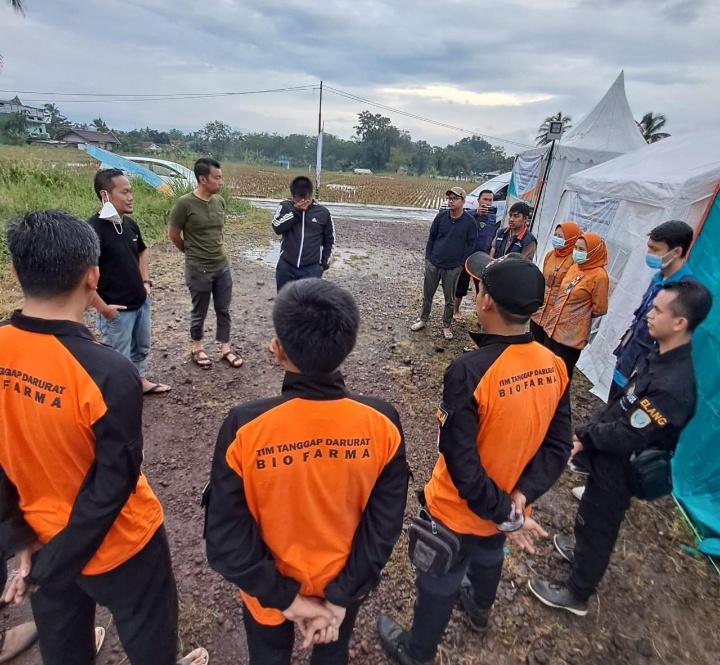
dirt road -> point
(656, 604)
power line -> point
(94, 98)
(418, 117)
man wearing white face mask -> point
(668, 245)
(122, 299)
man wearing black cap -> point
(451, 240)
(504, 439)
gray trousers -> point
(202, 285)
(433, 277)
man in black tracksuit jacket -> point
(308, 235)
(657, 403)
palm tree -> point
(19, 7)
(650, 126)
(541, 138)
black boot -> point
(394, 639)
(478, 616)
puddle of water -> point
(342, 259)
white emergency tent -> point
(623, 199)
(606, 132)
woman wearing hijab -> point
(583, 296)
(557, 262)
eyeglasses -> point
(453, 198)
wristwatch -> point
(148, 282)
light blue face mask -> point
(558, 242)
(579, 256)
(656, 262)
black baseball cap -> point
(513, 281)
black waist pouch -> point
(652, 476)
(432, 547)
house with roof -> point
(37, 118)
(82, 138)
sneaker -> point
(418, 325)
(558, 596)
(578, 492)
(477, 616)
(394, 640)
(565, 546)
(577, 467)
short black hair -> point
(692, 301)
(674, 234)
(317, 324)
(486, 191)
(203, 166)
(506, 316)
(301, 186)
(521, 207)
(104, 180)
(51, 251)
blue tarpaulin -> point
(696, 465)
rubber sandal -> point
(447, 334)
(459, 319)
(470, 348)
(99, 639)
(205, 362)
(199, 653)
(157, 389)
(233, 363)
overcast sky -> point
(494, 68)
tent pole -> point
(540, 200)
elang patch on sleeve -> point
(653, 412)
(442, 415)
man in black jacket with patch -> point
(657, 403)
(308, 234)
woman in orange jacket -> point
(557, 262)
(583, 296)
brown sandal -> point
(236, 362)
(201, 360)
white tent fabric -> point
(606, 132)
(671, 179)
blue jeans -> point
(129, 334)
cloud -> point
(496, 70)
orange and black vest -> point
(307, 495)
(71, 444)
(504, 425)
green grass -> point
(35, 183)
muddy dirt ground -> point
(657, 604)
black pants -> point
(202, 285)
(566, 353)
(141, 597)
(463, 284)
(597, 524)
(286, 272)
(273, 645)
(482, 560)
(538, 333)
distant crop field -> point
(399, 190)
(255, 179)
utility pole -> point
(318, 158)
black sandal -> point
(233, 363)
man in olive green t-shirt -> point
(196, 229)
